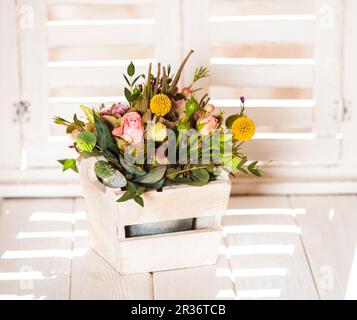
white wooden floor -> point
(298, 247)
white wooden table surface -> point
(283, 247)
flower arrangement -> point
(161, 136)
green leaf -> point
(127, 80)
(230, 120)
(78, 122)
(69, 164)
(92, 154)
(243, 170)
(86, 141)
(104, 137)
(61, 121)
(137, 78)
(139, 200)
(103, 169)
(140, 191)
(201, 177)
(131, 187)
(128, 95)
(115, 181)
(157, 185)
(70, 128)
(153, 176)
(256, 172)
(171, 173)
(125, 197)
(136, 171)
(88, 112)
(252, 165)
(131, 69)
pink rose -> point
(206, 124)
(131, 128)
(106, 111)
(120, 109)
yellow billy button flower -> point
(160, 104)
(158, 132)
(243, 128)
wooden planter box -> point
(108, 219)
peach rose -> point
(206, 124)
(131, 128)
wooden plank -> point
(243, 30)
(107, 2)
(195, 17)
(55, 150)
(328, 71)
(329, 234)
(192, 248)
(83, 53)
(235, 92)
(266, 255)
(256, 7)
(168, 29)
(349, 124)
(263, 50)
(9, 86)
(200, 283)
(35, 248)
(285, 74)
(307, 151)
(34, 81)
(98, 11)
(93, 278)
(178, 197)
(92, 76)
(119, 32)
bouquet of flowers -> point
(161, 136)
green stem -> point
(185, 170)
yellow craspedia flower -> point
(160, 104)
(243, 128)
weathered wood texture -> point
(108, 220)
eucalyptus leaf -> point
(201, 177)
(115, 181)
(156, 186)
(103, 169)
(133, 169)
(155, 175)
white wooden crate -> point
(108, 219)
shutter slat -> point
(139, 32)
(256, 7)
(137, 51)
(262, 31)
(298, 151)
(99, 11)
(90, 76)
(299, 76)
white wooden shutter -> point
(284, 56)
(76, 54)
(10, 131)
